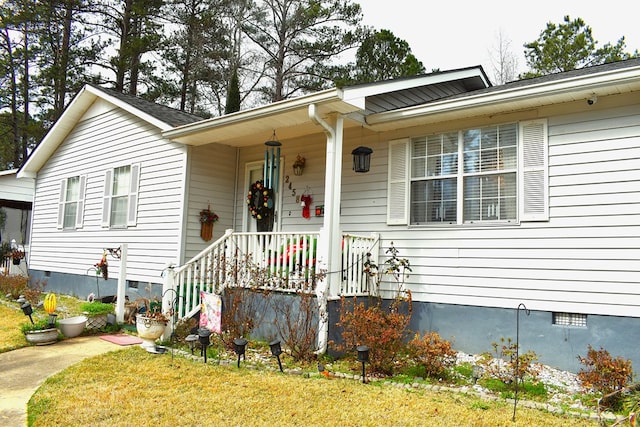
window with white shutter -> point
(491, 174)
(71, 202)
(120, 201)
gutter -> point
(581, 86)
(322, 288)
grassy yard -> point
(11, 337)
(132, 387)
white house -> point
(520, 195)
(16, 196)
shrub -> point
(603, 373)
(34, 290)
(383, 330)
(502, 363)
(432, 353)
(296, 324)
(13, 285)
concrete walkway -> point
(22, 371)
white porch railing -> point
(283, 262)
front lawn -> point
(133, 387)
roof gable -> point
(164, 118)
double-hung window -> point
(71, 205)
(482, 175)
(119, 208)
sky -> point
(450, 34)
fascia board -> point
(358, 94)
(255, 113)
(586, 84)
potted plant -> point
(298, 165)
(150, 322)
(40, 332)
(96, 313)
(207, 219)
(17, 255)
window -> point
(477, 175)
(71, 206)
(570, 319)
(120, 196)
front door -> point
(255, 172)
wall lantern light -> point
(240, 345)
(361, 159)
(276, 350)
(363, 356)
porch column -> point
(168, 297)
(329, 247)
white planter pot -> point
(42, 337)
(149, 330)
(72, 326)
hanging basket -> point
(206, 231)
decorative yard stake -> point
(276, 350)
(363, 356)
(515, 400)
(240, 346)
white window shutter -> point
(533, 183)
(398, 187)
(132, 212)
(63, 193)
(80, 207)
(106, 200)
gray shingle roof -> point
(168, 115)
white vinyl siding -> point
(107, 138)
(583, 259)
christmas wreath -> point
(260, 200)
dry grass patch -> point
(132, 388)
(11, 336)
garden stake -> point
(515, 400)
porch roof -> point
(290, 118)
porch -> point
(276, 261)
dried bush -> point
(297, 324)
(502, 364)
(603, 373)
(432, 353)
(382, 329)
(243, 309)
(13, 285)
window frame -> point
(65, 203)
(531, 158)
(131, 194)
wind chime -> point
(272, 163)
